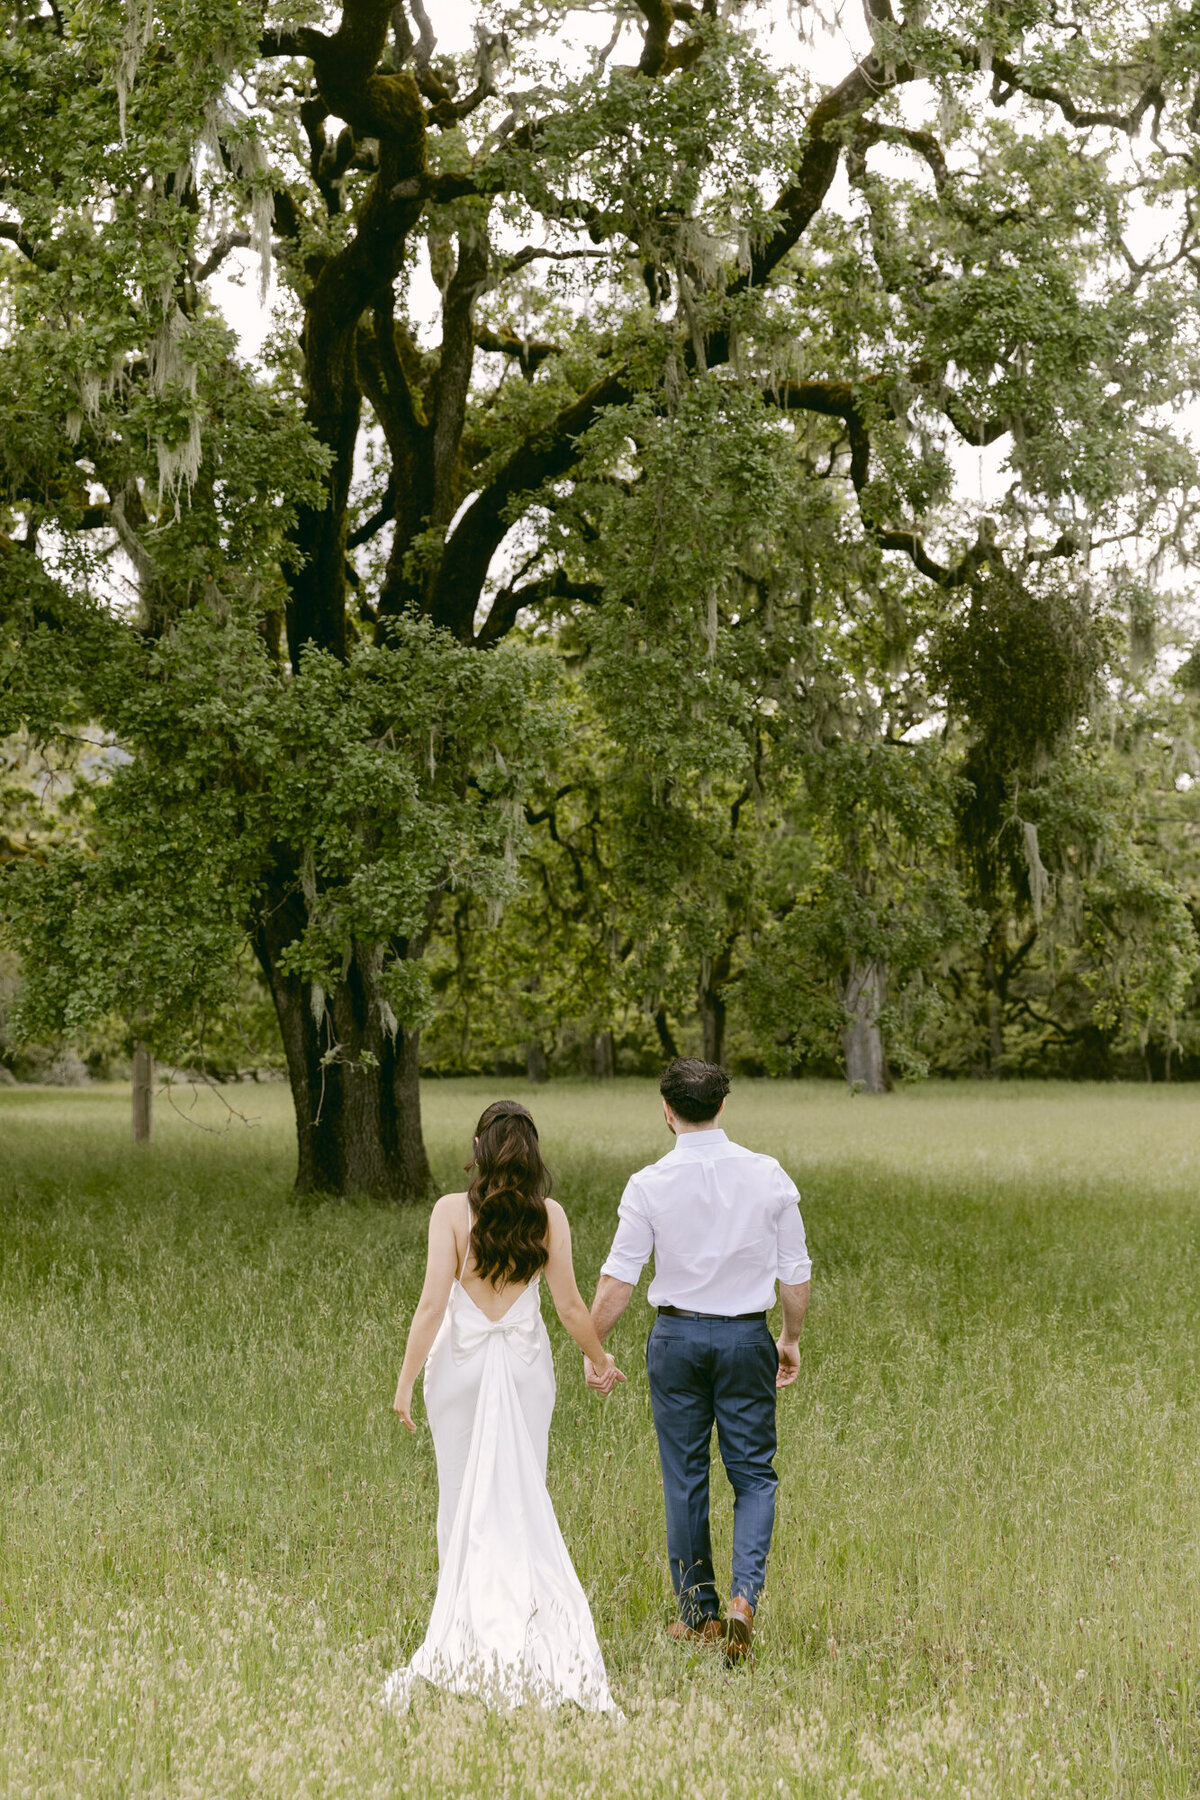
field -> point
(214, 1538)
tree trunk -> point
(354, 1078)
(863, 998)
(995, 1014)
(714, 973)
(535, 1064)
(143, 1092)
(604, 1056)
(712, 1025)
(666, 1036)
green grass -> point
(986, 1575)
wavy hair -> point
(509, 1221)
(693, 1089)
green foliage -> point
(1019, 664)
(880, 886)
(395, 773)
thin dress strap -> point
(467, 1251)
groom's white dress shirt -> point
(723, 1224)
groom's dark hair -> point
(693, 1089)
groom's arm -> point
(793, 1299)
(631, 1250)
(795, 1268)
(612, 1297)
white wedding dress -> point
(510, 1621)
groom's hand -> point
(789, 1362)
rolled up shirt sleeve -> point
(634, 1240)
(795, 1265)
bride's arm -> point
(568, 1301)
(441, 1265)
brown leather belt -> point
(677, 1312)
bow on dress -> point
(471, 1330)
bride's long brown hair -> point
(509, 1221)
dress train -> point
(510, 1621)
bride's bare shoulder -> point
(447, 1203)
(556, 1214)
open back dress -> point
(510, 1620)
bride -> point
(510, 1620)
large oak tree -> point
(316, 598)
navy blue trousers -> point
(705, 1372)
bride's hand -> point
(402, 1404)
(603, 1380)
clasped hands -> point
(603, 1380)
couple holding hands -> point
(510, 1620)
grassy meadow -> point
(215, 1539)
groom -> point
(723, 1224)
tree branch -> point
(229, 241)
(425, 46)
(659, 16)
(802, 199)
(954, 575)
(374, 103)
(839, 399)
(1018, 82)
(446, 112)
(454, 372)
(17, 237)
(868, 132)
(509, 602)
(388, 107)
(277, 40)
(486, 520)
(530, 354)
(384, 513)
(393, 375)
(534, 253)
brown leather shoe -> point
(739, 1631)
(711, 1632)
